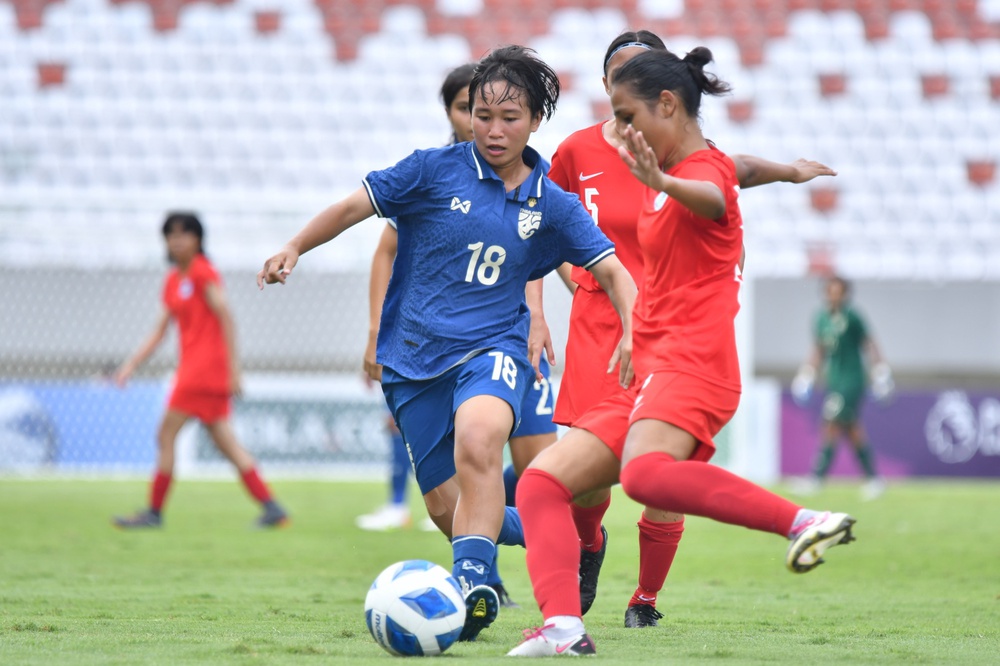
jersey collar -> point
(531, 187)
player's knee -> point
(480, 451)
(634, 482)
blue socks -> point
(511, 532)
(509, 485)
(493, 576)
(473, 556)
(400, 469)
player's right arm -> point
(378, 283)
(323, 228)
(805, 377)
(145, 350)
(703, 198)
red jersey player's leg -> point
(575, 465)
(221, 432)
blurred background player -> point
(587, 163)
(536, 429)
(208, 374)
(455, 321)
(657, 437)
(841, 341)
(394, 514)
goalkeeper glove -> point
(802, 385)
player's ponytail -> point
(650, 73)
(709, 83)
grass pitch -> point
(920, 586)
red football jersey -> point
(589, 166)
(204, 359)
(684, 316)
(585, 163)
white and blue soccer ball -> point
(415, 609)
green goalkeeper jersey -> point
(841, 336)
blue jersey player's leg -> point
(487, 402)
(463, 446)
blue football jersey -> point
(466, 250)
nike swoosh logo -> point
(593, 175)
(562, 648)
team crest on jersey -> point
(660, 200)
(527, 222)
(185, 289)
(532, 201)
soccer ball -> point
(414, 609)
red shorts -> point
(692, 404)
(594, 332)
(206, 407)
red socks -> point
(553, 547)
(657, 546)
(255, 485)
(161, 484)
(158, 491)
(588, 524)
(700, 489)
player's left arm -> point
(216, 299)
(565, 272)
(880, 374)
(539, 336)
(753, 171)
(620, 288)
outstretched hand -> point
(806, 170)
(640, 158)
(278, 267)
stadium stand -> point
(259, 112)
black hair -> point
(652, 72)
(844, 283)
(634, 38)
(520, 70)
(187, 222)
(458, 79)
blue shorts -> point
(425, 409)
(536, 410)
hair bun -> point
(698, 57)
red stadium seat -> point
(51, 74)
(832, 85)
(981, 172)
(740, 111)
(824, 199)
(267, 21)
(934, 85)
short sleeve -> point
(708, 170)
(557, 171)
(400, 186)
(581, 242)
(203, 273)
